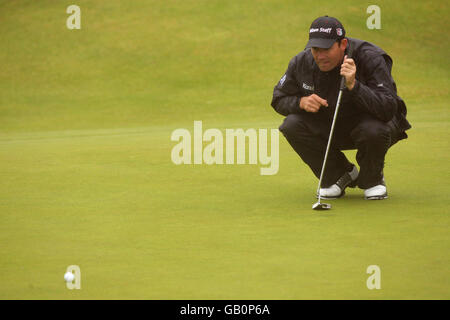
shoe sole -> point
(377, 197)
(331, 198)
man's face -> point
(328, 59)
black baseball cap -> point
(324, 31)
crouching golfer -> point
(371, 117)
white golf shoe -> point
(337, 190)
(332, 192)
(378, 192)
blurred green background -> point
(86, 176)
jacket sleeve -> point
(286, 94)
(377, 95)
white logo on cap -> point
(339, 31)
(327, 30)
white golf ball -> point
(69, 276)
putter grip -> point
(342, 86)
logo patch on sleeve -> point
(282, 80)
(310, 88)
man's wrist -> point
(352, 86)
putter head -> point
(321, 206)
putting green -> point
(87, 179)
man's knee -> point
(292, 125)
(374, 132)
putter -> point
(319, 205)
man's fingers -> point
(313, 103)
(319, 100)
(350, 61)
(312, 108)
(347, 70)
(348, 66)
(315, 108)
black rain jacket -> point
(375, 91)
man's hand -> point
(348, 70)
(312, 103)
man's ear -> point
(344, 43)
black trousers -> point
(308, 134)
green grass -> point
(86, 175)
